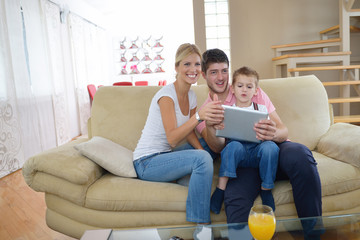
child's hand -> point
(265, 129)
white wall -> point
(171, 19)
(256, 25)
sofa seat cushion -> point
(114, 193)
(346, 179)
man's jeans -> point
(297, 164)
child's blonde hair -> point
(246, 71)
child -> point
(235, 154)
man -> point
(296, 162)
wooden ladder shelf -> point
(332, 49)
(347, 119)
(355, 68)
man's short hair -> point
(213, 56)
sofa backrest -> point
(119, 113)
(302, 104)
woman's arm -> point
(174, 134)
(192, 138)
(272, 129)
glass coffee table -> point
(329, 227)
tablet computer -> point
(239, 123)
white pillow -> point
(109, 155)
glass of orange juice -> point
(262, 222)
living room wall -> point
(256, 25)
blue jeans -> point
(203, 143)
(170, 166)
(262, 155)
(297, 164)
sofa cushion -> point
(62, 162)
(336, 177)
(346, 179)
(302, 104)
(114, 118)
(347, 149)
(113, 193)
(109, 155)
(139, 195)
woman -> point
(172, 118)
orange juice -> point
(262, 226)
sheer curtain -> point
(45, 66)
(20, 121)
(60, 71)
(11, 150)
(90, 56)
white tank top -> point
(153, 137)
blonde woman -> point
(173, 118)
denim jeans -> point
(262, 155)
(296, 164)
(170, 166)
(187, 146)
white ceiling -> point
(104, 6)
(118, 6)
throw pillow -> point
(109, 155)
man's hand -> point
(213, 116)
(265, 130)
(212, 113)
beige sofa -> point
(81, 195)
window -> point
(217, 25)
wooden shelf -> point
(347, 119)
(340, 83)
(335, 29)
(344, 100)
(354, 12)
(323, 68)
(311, 55)
(332, 40)
(330, 50)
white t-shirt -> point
(153, 137)
(262, 108)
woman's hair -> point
(246, 71)
(184, 51)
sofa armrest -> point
(341, 142)
(62, 171)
